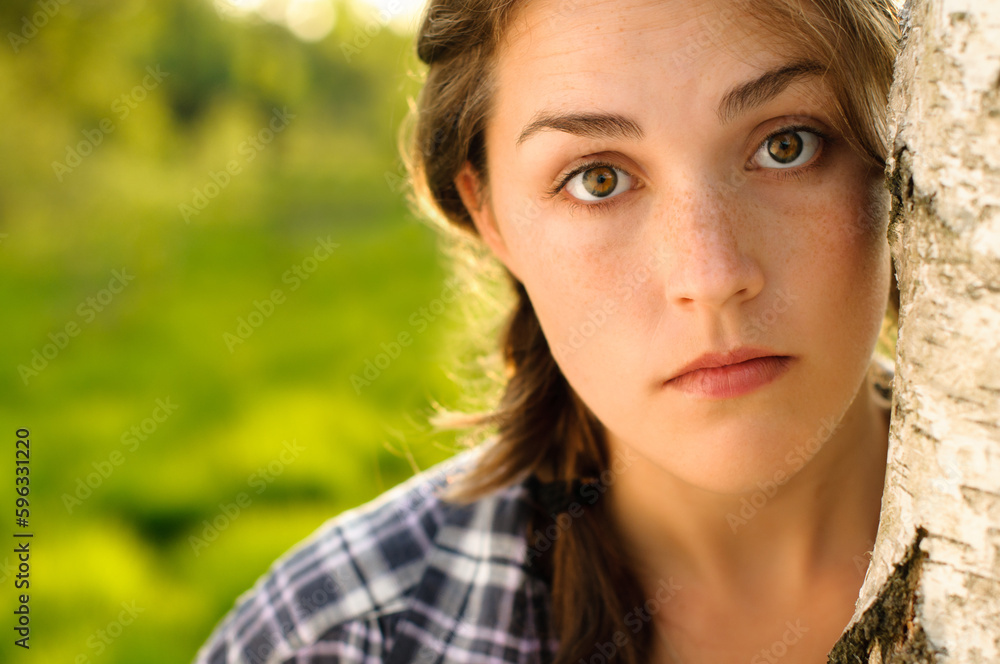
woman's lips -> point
(732, 380)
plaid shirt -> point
(405, 578)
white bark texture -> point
(932, 592)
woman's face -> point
(666, 181)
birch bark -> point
(932, 592)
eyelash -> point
(781, 173)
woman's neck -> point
(779, 539)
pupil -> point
(785, 148)
(600, 181)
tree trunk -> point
(932, 592)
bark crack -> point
(889, 631)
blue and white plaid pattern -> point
(405, 578)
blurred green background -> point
(116, 301)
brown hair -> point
(542, 426)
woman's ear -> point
(475, 197)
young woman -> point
(690, 450)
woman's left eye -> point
(787, 149)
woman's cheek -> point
(582, 299)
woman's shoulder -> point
(407, 556)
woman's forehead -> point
(673, 60)
(633, 29)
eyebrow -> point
(588, 125)
(737, 100)
(753, 94)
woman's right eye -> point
(596, 182)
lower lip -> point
(732, 380)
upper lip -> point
(734, 356)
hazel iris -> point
(600, 181)
(785, 148)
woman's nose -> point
(710, 247)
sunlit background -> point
(204, 246)
(206, 264)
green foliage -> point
(119, 486)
